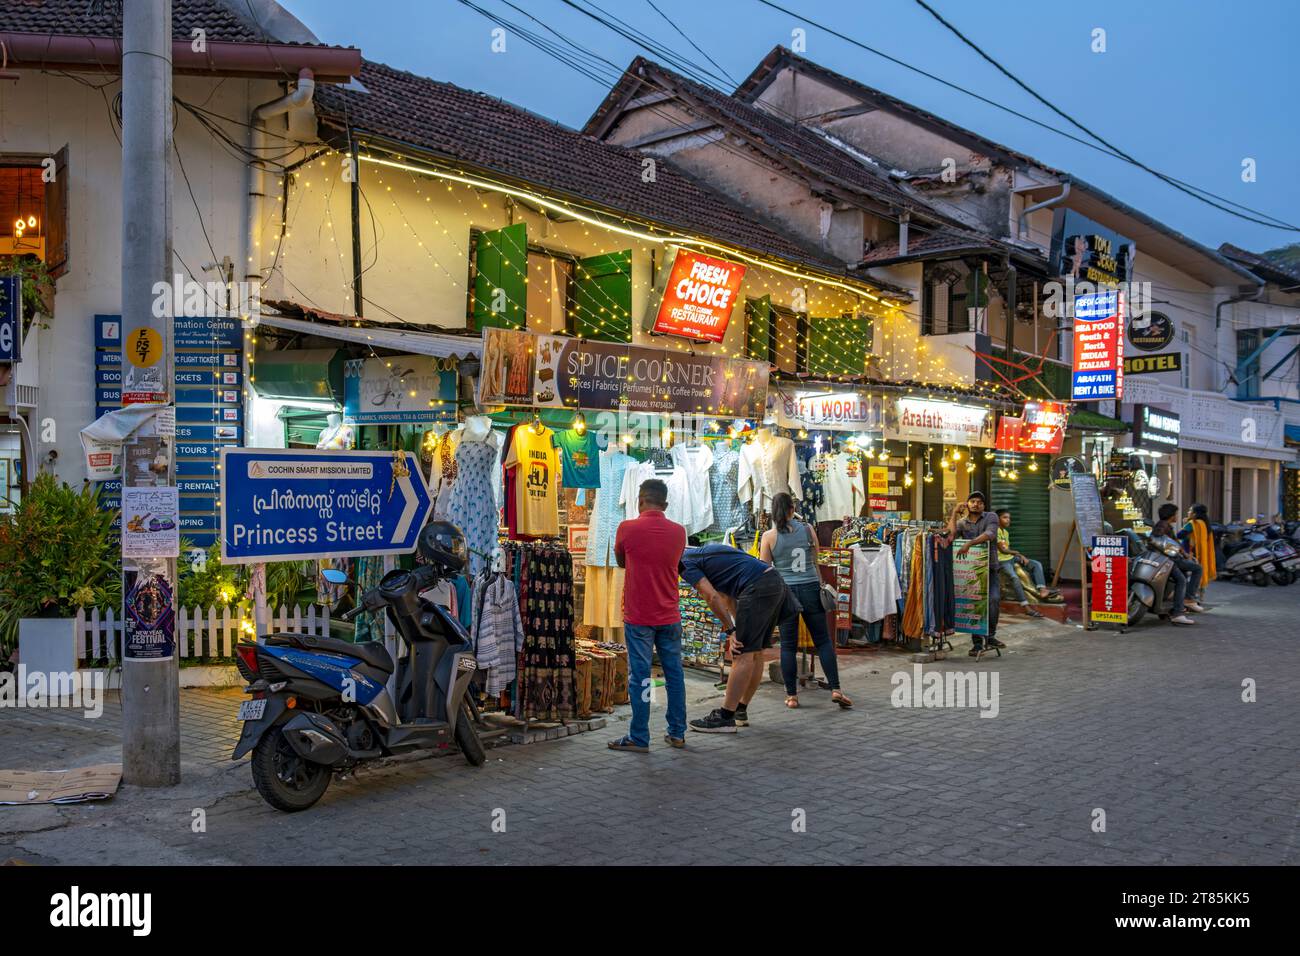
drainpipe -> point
(300, 97)
(903, 220)
(1024, 213)
(1218, 309)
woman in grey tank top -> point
(790, 546)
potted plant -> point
(58, 552)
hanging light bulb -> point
(929, 477)
(988, 454)
(803, 433)
(580, 424)
(956, 454)
(970, 465)
(31, 222)
(1002, 472)
(907, 480)
(1033, 464)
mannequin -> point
(337, 434)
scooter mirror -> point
(334, 576)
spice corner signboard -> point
(1110, 578)
(1098, 372)
(555, 371)
(697, 298)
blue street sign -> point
(207, 433)
(207, 359)
(108, 331)
(11, 318)
(108, 376)
(279, 504)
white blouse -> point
(768, 466)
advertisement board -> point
(1155, 429)
(940, 423)
(970, 575)
(1098, 370)
(849, 411)
(1110, 578)
(698, 297)
(1039, 430)
(554, 371)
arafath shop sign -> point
(555, 371)
(940, 423)
(697, 298)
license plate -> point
(252, 709)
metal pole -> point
(150, 692)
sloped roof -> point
(99, 18)
(1268, 269)
(943, 242)
(486, 133)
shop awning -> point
(1241, 450)
(439, 344)
(1081, 419)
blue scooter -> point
(320, 705)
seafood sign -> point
(279, 504)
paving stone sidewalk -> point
(1148, 727)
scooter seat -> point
(369, 652)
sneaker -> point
(1194, 607)
(672, 741)
(742, 715)
(1182, 619)
(715, 723)
(992, 642)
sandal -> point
(626, 744)
(792, 702)
(839, 698)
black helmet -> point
(443, 546)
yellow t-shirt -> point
(537, 481)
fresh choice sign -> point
(698, 297)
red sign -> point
(1041, 430)
(1009, 429)
(1110, 578)
(699, 297)
(1098, 371)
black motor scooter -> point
(1150, 582)
(320, 704)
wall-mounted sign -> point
(940, 423)
(1040, 429)
(11, 318)
(1155, 332)
(1098, 372)
(877, 480)
(1063, 468)
(832, 411)
(1155, 429)
(398, 389)
(554, 371)
(697, 297)
(1149, 364)
(1089, 252)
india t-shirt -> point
(536, 467)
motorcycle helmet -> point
(442, 545)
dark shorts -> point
(758, 609)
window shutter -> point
(839, 345)
(500, 271)
(601, 301)
(759, 329)
(56, 217)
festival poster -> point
(970, 575)
(150, 623)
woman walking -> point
(791, 547)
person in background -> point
(1186, 574)
(790, 546)
(1199, 540)
(649, 547)
(1009, 557)
(749, 598)
(972, 523)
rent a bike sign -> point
(293, 504)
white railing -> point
(199, 633)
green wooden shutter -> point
(500, 274)
(839, 345)
(601, 300)
(1028, 499)
(758, 328)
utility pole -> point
(151, 754)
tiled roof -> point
(1265, 267)
(102, 18)
(926, 247)
(488, 134)
(787, 141)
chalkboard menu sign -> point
(1087, 506)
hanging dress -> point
(471, 504)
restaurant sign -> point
(847, 411)
(555, 371)
(940, 423)
(697, 298)
(1040, 430)
(1098, 372)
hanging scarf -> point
(1203, 548)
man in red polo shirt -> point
(649, 548)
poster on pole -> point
(1110, 578)
(150, 625)
(151, 522)
(970, 575)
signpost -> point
(293, 504)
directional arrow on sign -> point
(289, 504)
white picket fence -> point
(199, 634)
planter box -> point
(48, 644)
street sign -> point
(281, 504)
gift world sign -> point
(295, 504)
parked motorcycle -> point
(1150, 581)
(1285, 554)
(1246, 555)
(320, 705)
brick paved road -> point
(1149, 727)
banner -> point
(1098, 372)
(970, 576)
(1110, 578)
(1039, 431)
(554, 371)
(940, 423)
(398, 389)
(697, 298)
(848, 411)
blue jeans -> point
(642, 640)
(1035, 569)
(810, 603)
